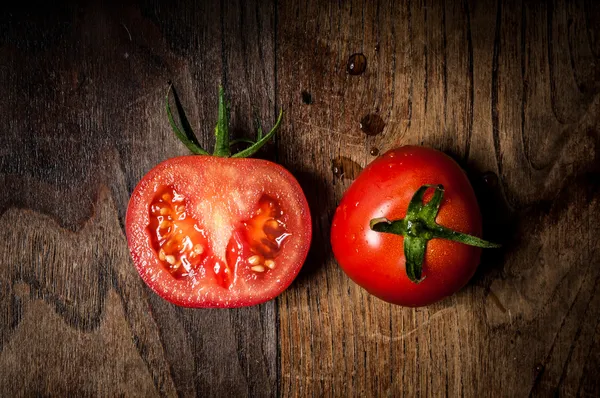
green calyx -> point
(222, 144)
(419, 226)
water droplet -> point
(491, 179)
(374, 151)
(377, 47)
(357, 64)
(539, 367)
(307, 97)
(344, 167)
(372, 124)
(353, 237)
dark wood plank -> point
(86, 106)
(510, 89)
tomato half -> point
(208, 231)
(376, 261)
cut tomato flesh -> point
(248, 216)
(265, 232)
(183, 248)
(180, 244)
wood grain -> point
(510, 89)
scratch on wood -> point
(439, 314)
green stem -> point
(222, 143)
(419, 226)
(261, 142)
(259, 130)
(186, 136)
(447, 233)
(387, 226)
(222, 147)
(414, 253)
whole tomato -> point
(406, 228)
(221, 230)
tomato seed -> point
(254, 260)
(198, 249)
(164, 224)
(170, 259)
(272, 223)
(270, 264)
(164, 211)
(161, 255)
(258, 268)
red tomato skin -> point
(216, 176)
(376, 260)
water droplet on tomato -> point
(357, 64)
(372, 124)
(374, 151)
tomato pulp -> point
(208, 231)
(376, 261)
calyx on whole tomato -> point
(430, 249)
(218, 231)
(419, 226)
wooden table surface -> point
(510, 89)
